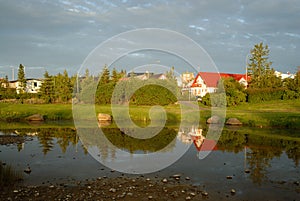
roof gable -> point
(211, 79)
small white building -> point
(32, 85)
(284, 75)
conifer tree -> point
(47, 89)
(259, 68)
(21, 79)
(104, 78)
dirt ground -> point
(121, 188)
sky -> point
(54, 35)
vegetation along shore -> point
(281, 114)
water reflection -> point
(195, 135)
(259, 150)
(47, 137)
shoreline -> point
(120, 188)
(279, 114)
(137, 188)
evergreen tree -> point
(115, 76)
(47, 89)
(87, 85)
(104, 78)
(259, 68)
(63, 88)
(21, 79)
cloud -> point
(58, 33)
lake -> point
(259, 163)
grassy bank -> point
(18, 112)
(284, 114)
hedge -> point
(264, 94)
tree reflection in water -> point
(259, 149)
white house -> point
(207, 82)
(32, 85)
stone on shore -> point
(35, 117)
(233, 122)
(213, 120)
(104, 117)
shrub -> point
(255, 95)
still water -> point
(257, 163)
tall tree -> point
(47, 89)
(259, 68)
(63, 88)
(21, 79)
(104, 78)
(87, 86)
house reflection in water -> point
(195, 136)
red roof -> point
(207, 145)
(211, 79)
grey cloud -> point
(58, 33)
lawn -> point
(284, 114)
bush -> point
(214, 99)
(153, 95)
(264, 94)
(290, 95)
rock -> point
(176, 176)
(213, 120)
(104, 117)
(27, 170)
(188, 198)
(150, 197)
(229, 177)
(113, 190)
(165, 180)
(232, 191)
(35, 117)
(187, 178)
(247, 171)
(204, 193)
(233, 122)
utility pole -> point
(246, 62)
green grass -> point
(283, 114)
(268, 114)
(17, 112)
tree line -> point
(115, 87)
(99, 89)
(263, 85)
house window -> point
(35, 84)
